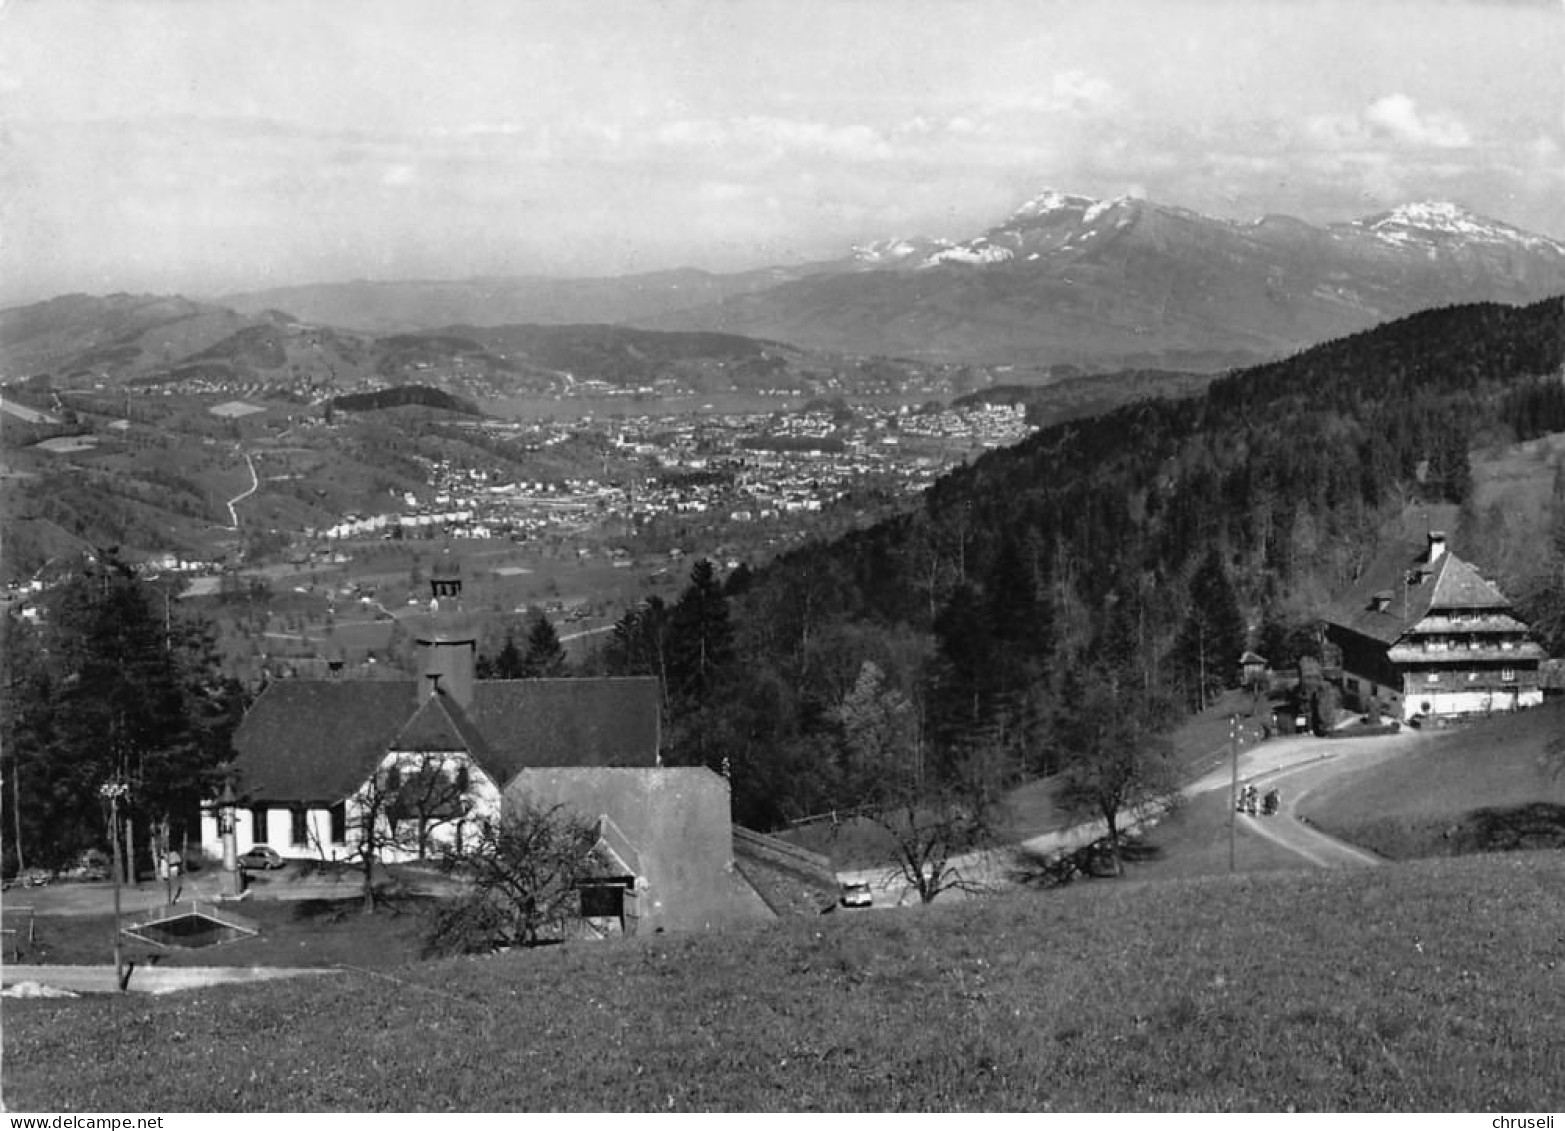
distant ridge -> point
(1064, 279)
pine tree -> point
(545, 656)
(1213, 637)
(700, 639)
(131, 693)
(698, 660)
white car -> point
(857, 895)
(261, 858)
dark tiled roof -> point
(318, 740)
(314, 740)
(1410, 588)
(531, 723)
(439, 724)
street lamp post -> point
(1233, 787)
(114, 791)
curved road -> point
(1295, 765)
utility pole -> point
(1233, 787)
(114, 790)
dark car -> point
(260, 859)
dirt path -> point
(255, 484)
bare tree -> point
(521, 874)
(934, 817)
(399, 809)
(1117, 762)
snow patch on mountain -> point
(896, 250)
(1091, 215)
(979, 253)
(1423, 221)
(1050, 201)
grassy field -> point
(1478, 788)
(1421, 986)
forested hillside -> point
(1132, 555)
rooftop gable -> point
(1459, 586)
(317, 741)
(1401, 587)
(440, 725)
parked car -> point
(260, 859)
(91, 865)
(35, 878)
(857, 895)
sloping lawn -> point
(1432, 985)
(1477, 788)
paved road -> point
(1295, 765)
(1295, 782)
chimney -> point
(1436, 545)
(448, 662)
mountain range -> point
(1064, 279)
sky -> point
(209, 146)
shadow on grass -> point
(1498, 828)
(1038, 869)
(1511, 828)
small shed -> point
(1253, 669)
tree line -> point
(117, 689)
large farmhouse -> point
(1423, 634)
(324, 765)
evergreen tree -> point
(545, 656)
(125, 690)
(698, 658)
(1213, 637)
(700, 639)
(965, 692)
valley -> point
(871, 557)
(902, 588)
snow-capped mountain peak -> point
(1426, 220)
(1049, 201)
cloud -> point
(1080, 91)
(1397, 116)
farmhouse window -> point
(1432, 677)
(339, 823)
(301, 826)
(258, 825)
(1508, 675)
